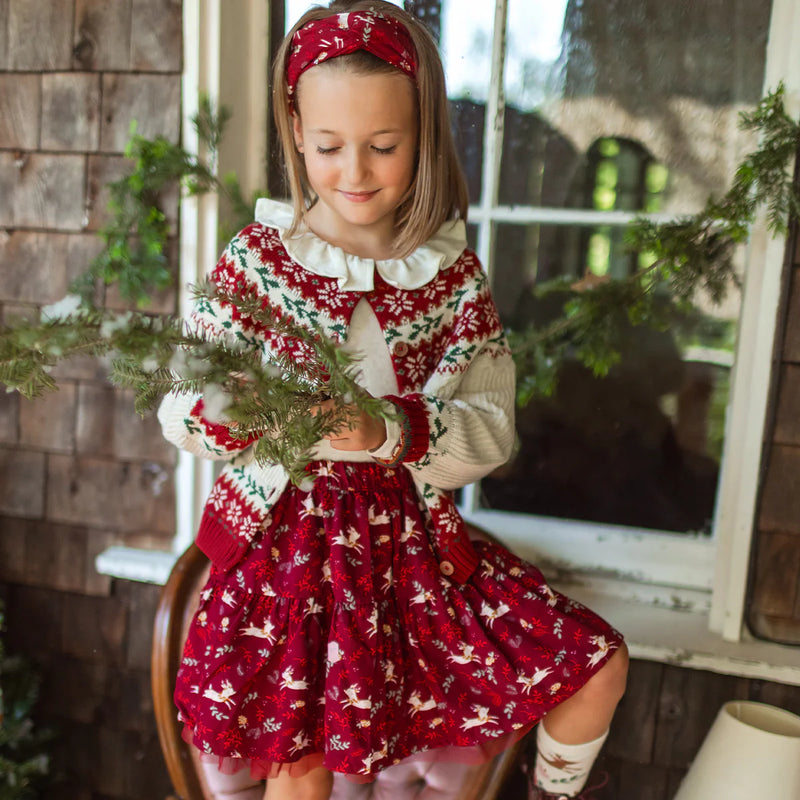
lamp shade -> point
(751, 752)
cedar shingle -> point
(20, 97)
(156, 48)
(9, 417)
(791, 341)
(13, 535)
(777, 567)
(102, 34)
(4, 34)
(71, 111)
(110, 495)
(689, 703)
(787, 418)
(22, 483)
(103, 170)
(780, 494)
(49, 191)
(94, 629)
(153, 101)
(26, 261)
(39, 35)
(55, 557)
(48, 422)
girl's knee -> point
(612, 678)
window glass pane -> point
(466, 48)
(639, 447)
(668, 78)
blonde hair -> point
(438, 190)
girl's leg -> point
(314, 785)
(587, 714)
(239, 786)
(570, 736)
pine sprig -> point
(273, 395)
(692, 255)
(135, 252)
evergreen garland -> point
(155, 355)
(24, 768)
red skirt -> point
(338, 642)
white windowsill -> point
(657, 628)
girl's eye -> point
(326, 151)
(385, 151)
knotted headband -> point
(340, 34)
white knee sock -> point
(239, 786)
(563, 768)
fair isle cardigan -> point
(453, 366)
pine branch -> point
(694, 254)
(242, 385)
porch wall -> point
(79, 470)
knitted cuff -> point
(221, 434)
(414, 431)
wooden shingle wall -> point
(79, 470)
(775, 600)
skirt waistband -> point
(358, 476)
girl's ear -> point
(297, 128)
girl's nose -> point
(356, 166)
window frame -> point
(718, 563)
(644, 564)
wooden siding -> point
(774, 610)
(79, 469)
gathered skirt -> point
(337, 641)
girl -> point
(353, 624)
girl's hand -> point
(360, 432)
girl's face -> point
(358, 135)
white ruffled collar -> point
(356, 274)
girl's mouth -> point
(358, 197)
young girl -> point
(351, 625)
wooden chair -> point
(407, 781)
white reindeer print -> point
(353, 699)
(417, 705)
(289, 682)
(483, 718)
(467, 656)
(225, 696)
(529, 682)
(491, 614)
(351, 540)
(264, 632)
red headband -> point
(321, 39)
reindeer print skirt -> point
(338, 642)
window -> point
(573, 118)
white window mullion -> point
(493, 136)
(199, 222)
(527, 215)
(490, 183)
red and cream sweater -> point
(453, 369)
